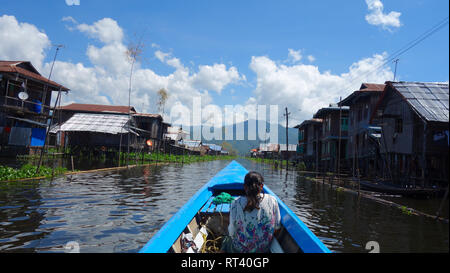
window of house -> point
(344, 124)
(366, 111)
(301, 135)
(398, 125)
(325, 125)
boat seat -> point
(209, 207)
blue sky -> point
(251, 39)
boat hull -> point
(229, 179)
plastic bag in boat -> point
(187, 243)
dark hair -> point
(253, 182)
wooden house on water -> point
(145, 130)
(269, 150)
(78, 134)
(85, 132)
(213, 149)
(150, 128)
(193, 147)
(364, 133)
(414, 117)
(334, 138)
(176, 134)
(64, 113)
(309, 143)
(289, 151)
(25, 108)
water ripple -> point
(119, 211)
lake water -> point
(119, 211)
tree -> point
(229, 148)
(134, 52)
(163, 96)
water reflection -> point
(346, 222)
(119, 211)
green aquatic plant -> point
(28, 171)
(406, 210)
(171, 158)
(301, 166)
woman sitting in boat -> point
(254, 219)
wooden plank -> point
(194, 227)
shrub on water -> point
(28, 171)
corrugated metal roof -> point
(269, 147)
(175, 130)
(291, 147)
(148, 115)
(214, 147)
(176, 133)
(277, 147)
(428, 100)
(309, 121)
(191, 143)
(97, 123)
(324, 111)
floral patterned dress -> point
(252, 232)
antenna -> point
(396, 63)
(54, 59)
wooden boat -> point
(203, 222)
(384, 187)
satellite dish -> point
(23, 95)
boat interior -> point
(207, 229)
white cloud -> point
(111, 57)
(161, 56)
(106, 30)
(105, 78)
(295, 55)
(215, 77)
(378, 18)
(304, 88)
(22, 41)
(311, 58)
(208, 77)
(69, 19)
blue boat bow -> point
(230, 178)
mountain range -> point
(243, 147)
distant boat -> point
(189, 221)
(384, 187)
